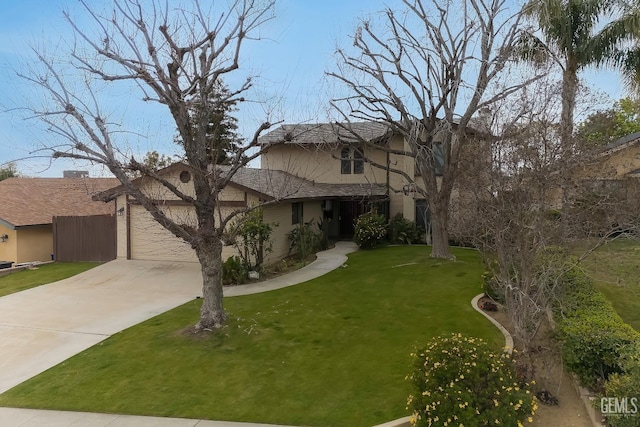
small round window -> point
(185, 176)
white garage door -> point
(151, 241)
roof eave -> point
(620, 144)
(7, 224)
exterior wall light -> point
(4, 238)
(409, 189)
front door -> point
(350, 210)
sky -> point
(290, 61)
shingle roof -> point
(282, 185)
(32, 201)
(273, 184)
(619, 143)
(325, 133)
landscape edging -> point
(507, 336)
(585, 396)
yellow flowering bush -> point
(459, 381)
(370, 230)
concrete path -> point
(14, 417)
(44, 326)
(325, 262)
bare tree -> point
(426, 72)
(176, 56)
(512, 212)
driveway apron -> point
(46, 325)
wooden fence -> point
(84, 238)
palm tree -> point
(580, 33)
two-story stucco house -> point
(327, 153)
(317, 174)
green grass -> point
(330, 352)
(46, 273)
(616, 270)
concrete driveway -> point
(44, 326)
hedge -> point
(594, 336)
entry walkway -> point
(44, 326)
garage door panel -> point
(151, 241)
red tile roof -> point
(32, 201)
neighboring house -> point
(609, 185)
(616, 162)
(27, 206)
(290, 201)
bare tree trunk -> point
(212, 315)
(439, 229)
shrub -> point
(490, 288)
(402, 231)
(306, 239)
(489, 285)
(370, 229)
(234, 272)
(593, 333)
(252, 241)
(626, 385)
(458, 380)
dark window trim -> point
(297, 213)
(358, 162)
(345, 161)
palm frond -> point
(606, 46)
(532, 49)
(630, 68)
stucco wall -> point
(35, 243)
(121, 227)
(322, 164)
(8, 249)
(611, 166)
(281, 214)
(157, 191)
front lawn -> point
(615, 267)
(333, 351)
(41, 275)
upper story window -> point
(351, 161)
(438, 160)
(358, 162)
(345, 161)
